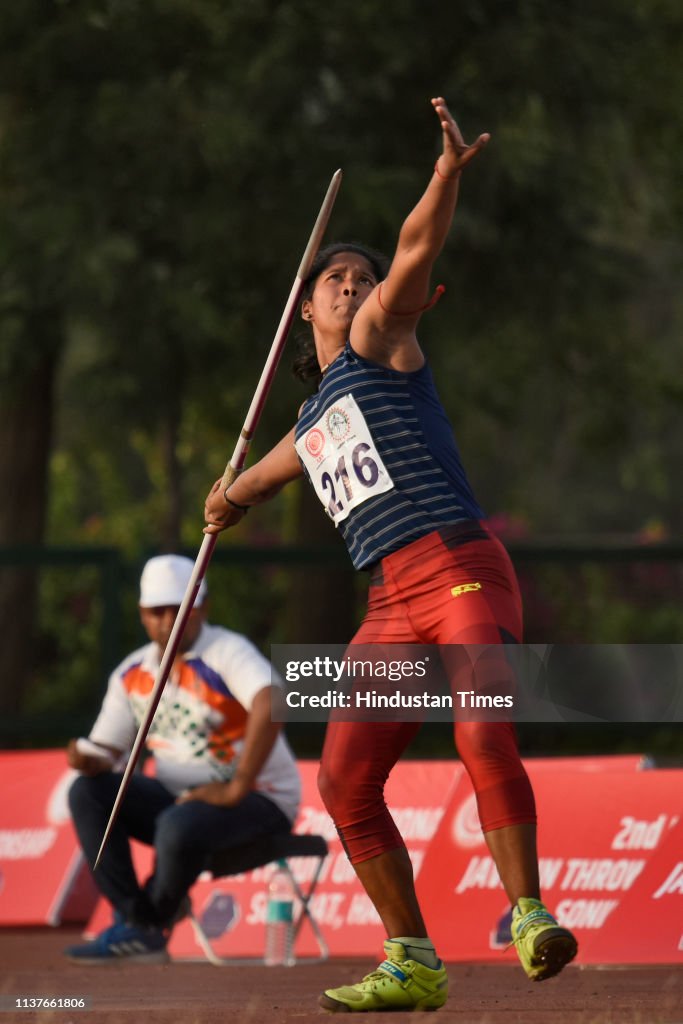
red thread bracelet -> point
(440, 289)
(444, 177)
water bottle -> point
(280, 919)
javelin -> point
(232, 470)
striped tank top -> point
(378, 448)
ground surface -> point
(31, 964)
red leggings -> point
(412, 601)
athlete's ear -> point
(306, 311)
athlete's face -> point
(339, 292)
(158, 623)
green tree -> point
(161, 162)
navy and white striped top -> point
(414, 439)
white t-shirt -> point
(198, 729)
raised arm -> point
(260, 482)
(384, 327)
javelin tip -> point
(320, 225)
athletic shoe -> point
(397, 984)
(121, 942)
(543, 946)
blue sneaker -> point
(120, 942)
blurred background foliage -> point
(161, 162)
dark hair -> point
(305, 366)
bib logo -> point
(338, 423)
(315, 442)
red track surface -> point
(31, 964)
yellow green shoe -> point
(397, 984)
(543, 946)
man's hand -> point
(91, 761)
(456, 153)
(218, 513)
(220, 794)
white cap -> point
(165, 580)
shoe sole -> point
(140, 958)
(334, 1006)
(554, 952)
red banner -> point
(610, 844)
(648, 926)
(43, 877)
(610, 860)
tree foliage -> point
(161, 163)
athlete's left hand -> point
(456, 153)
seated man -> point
(224, 772)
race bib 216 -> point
(341, 459)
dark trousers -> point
(183, 835)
